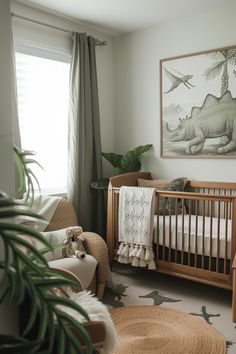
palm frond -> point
(30, 277)
(216, 56)
(214, 70)
(27, 178)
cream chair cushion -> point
(83, 269)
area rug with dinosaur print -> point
(136, 286)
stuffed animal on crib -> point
(73, 243)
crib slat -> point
(218, 239)
(164, 237)
(211, 229)
(230, 204)
(203, 234)
(176, 229)
(189, 229)
(225, 192)
(196, 236)
(208, 203)
(182, 250)
(226, 235)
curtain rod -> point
(99, 43)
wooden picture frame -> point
(198, 104)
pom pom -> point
(151, 264)
(135, 262)
(126, 260)
(147, 255)
(120, 248)
(131, 250)
(142, 263)
(141, 253)
(125, 251)
(121, 259)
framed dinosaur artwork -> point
(198, 105)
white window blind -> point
(43, 96)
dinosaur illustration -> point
(176, 81)
(113, 295)
(158, 299)
(205, 315)
(215, 118)
(229, 343)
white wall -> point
(137, 93)
(104, 64)
(6, 147)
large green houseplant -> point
(129, 162)
(24, 273)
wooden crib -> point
(195, 242)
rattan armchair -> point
(65, 216)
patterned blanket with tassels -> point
(136, 216)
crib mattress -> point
(224, 240)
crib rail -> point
(184, 244)
(195, 233)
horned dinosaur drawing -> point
(215, 118)
(176, 81)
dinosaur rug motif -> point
(133, 286)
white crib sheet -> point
(222, 242)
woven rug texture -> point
(135, 286)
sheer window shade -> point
(42, 69)
(43, 96)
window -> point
(43, 97)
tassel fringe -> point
(136, 255)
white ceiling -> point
(121, 16)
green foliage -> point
(27, 178)
(26, 274)
(129, 162)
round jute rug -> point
(154, 330)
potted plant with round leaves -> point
(129, 162)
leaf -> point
(114, 159)
(26, 230)
(67, 302)
(214, 70)
(28, 245)
(76, 326)
(119, 171)
(33, 311)
(61, 340)
(42, 325)
(51, 283)
(130, 161)
(51, 329)
(21, 172)
(100, 184)
(35, 178)
(26, 175)
(11, 344)
(4, 295)
(29, 161)
(27, 261)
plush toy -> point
(73, 243)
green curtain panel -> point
(85, 164)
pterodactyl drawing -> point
(176, 81)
